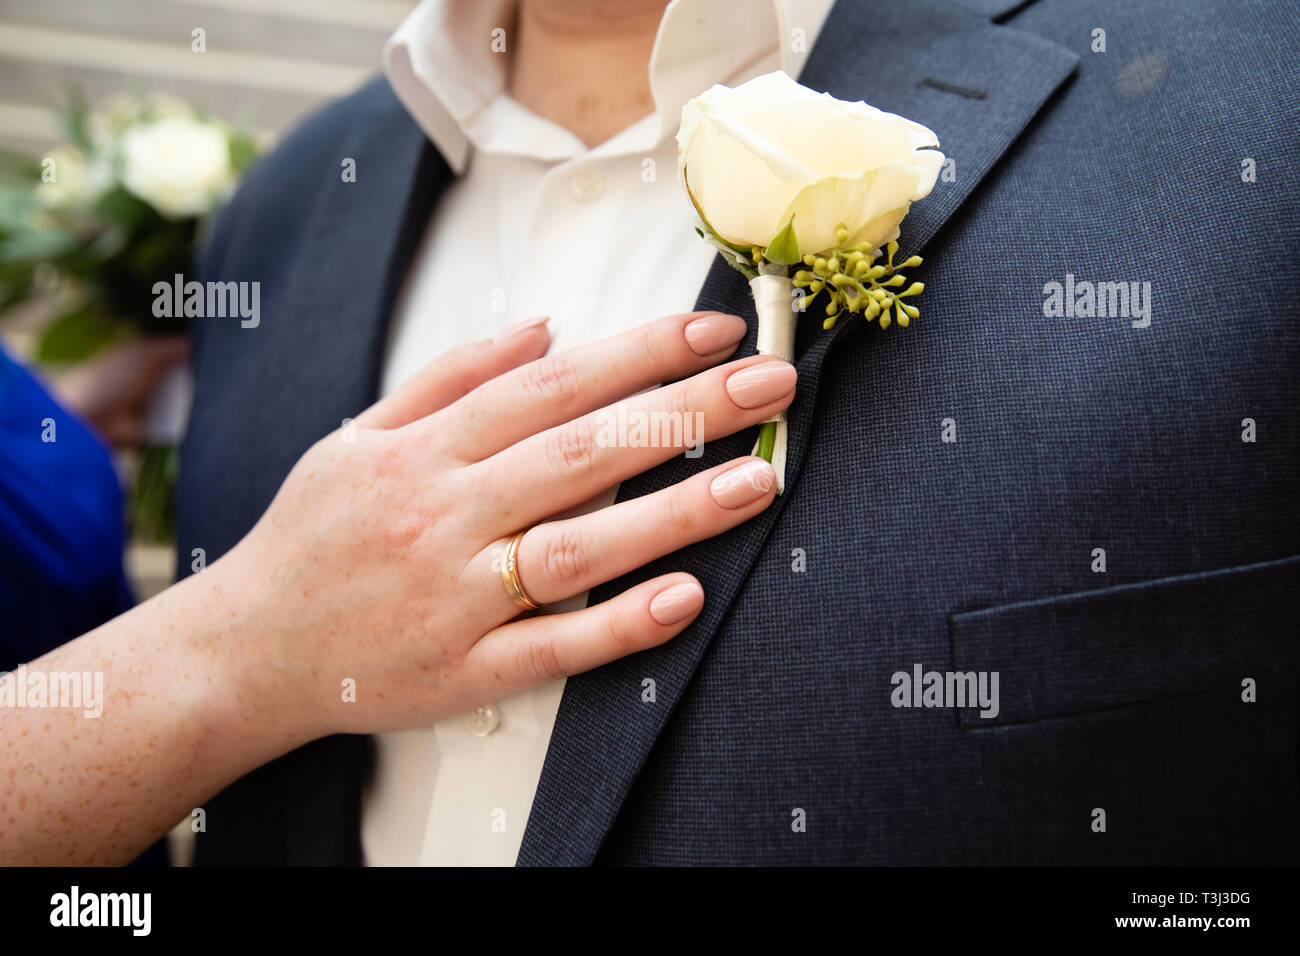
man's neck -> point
(584, 64)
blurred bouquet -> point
(91, 226)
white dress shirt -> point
(529, 201)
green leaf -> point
(15, 287)
(124, 208)
(153, 498)
(766, 442)
(736, 260)
(75, 336)
(33, 245)
(73, 118)
(784, 249)
(19, 166)
(17, 204)
(242, 151)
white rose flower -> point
(772, 153)
(177, 164)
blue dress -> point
(60, 523)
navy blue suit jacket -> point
(1119, 690)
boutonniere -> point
(783, 176)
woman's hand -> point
(379, 562)
(379, 559)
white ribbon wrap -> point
(774, 305)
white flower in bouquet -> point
(72, 180)
(122, 112)
(178, 164)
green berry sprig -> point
(854, 282)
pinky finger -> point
(536, 650)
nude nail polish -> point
(743, 484)
(714, 332)
(761, 384)
(677, 603)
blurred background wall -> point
(267, 63)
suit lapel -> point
(360, 243)
(977, 85)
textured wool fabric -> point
(1078, 440)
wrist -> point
(232, 636)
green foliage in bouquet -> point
(91, 227)
(96, 222)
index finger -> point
(558, 388)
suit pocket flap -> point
(1132, 643)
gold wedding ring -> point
(510, 576)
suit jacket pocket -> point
(1133, 643)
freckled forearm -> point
(182, 713)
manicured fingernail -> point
(519, 328)
(677, 603)
(760, 384)
(713, 333)
(743, 484)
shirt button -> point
(483, 721)
(585, 185)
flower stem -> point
(766, 441)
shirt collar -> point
(441, 66)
